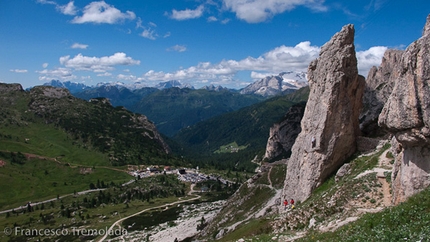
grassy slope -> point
(409, 221)
(53, 168)
(45, 140)
(39, 180)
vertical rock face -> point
(407, 115)
(283, 134)
(379, 85)
(330, 122)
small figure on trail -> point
(292, 203)
(313, 141)
(285, 204)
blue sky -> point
(223, 42)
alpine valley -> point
(327, 155)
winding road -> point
(147, 209)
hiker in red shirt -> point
(285, 204)
(292, 203)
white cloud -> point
(105, 74)
(64, 74)
(44, 65)
(68, 9)
(368, 58)
(79, 46)
(280, 59)
(131, 78)
(187, 13)
(101, 12)
(18, 70)
(178, 48)
(255, 11)
(167, 35)
(283, 58)
(259, 75)
(97, 64)
(47, 2)
(212, 19)
(225, 21)
(149, 34)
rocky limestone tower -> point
(406, 114)
(379, 85)
(330, 122)
(283, 134)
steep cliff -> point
(379, 85)
(406, 115)
(283, 134)
(330, 122)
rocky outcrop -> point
(50, 92)
(283, 134)
(330, 123)
(379, 85)
(406, 115)
(7, 88)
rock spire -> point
(330, 123)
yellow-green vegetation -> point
(47, 141)
(330, 202)
(277, 175)
(95, 210)
(51, 122)
(250, 229)
(230, 148)
(249, 199)
(409, 221)
(37, 180)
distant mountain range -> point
(74, 87)
(173, 105)
(283, 83)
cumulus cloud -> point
(149, 34)
(101, 12)
(79, 46)
(178, 48)
(280, 59)
(368, 58)
(187, 13)
(131, 78)
(105, 74)
(18, 70)
(260, 75)
(255, 11)
(212, 19)
(97, 64)
(64, 74)
(45, 65)
(68, 9)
